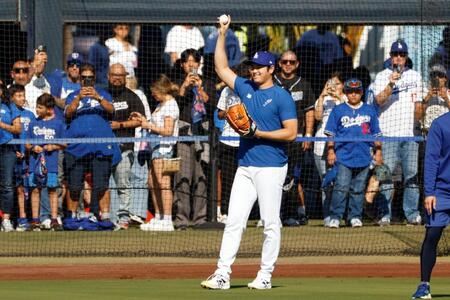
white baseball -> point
(223, 19)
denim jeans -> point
(7, 164)
(405, 153)
(122, 178)
(139, 192)
(349, 182)
(321, 165)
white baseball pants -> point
(251, 183)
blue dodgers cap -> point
(74, 58)
(399, 46)
(353, 84)
(262, 58)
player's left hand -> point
(429, 203)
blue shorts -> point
(438, 218)
(51, 181)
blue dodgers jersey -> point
(47, 130)
(348, 122)
(90, 121)
(26, 117)
(268, 108)
(7, 115)
(437, 162)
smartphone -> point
(434, 82)
(397, 68)
(87, 82)
(331, 84)
(41, 48)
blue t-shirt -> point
(437, 162)
(69, 87)
(26, 117)
(47, 130)
(348, 122)
(90, 121)
(268, 108)
(7, 115)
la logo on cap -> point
(399, 45)
(256, 55)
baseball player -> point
(437, 198)
(262, 162)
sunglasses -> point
(440, 75)
(401, 54)
(23, 70)
(288, 61)
(87, 77)
(71, 65)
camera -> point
(434, 82)
(41, 48)
(397, 68)
(331, 84)
(194, 72)
(87, 82)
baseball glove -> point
(240, 121)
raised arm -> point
(220, 57)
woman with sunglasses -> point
(9, 126)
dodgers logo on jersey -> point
(347, 121)
(48, 133)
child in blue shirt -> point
(352, 119)
(44, 159)
(17, 95)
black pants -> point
(228, 165)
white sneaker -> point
(260, 284)
(149, 225)
(216, 282)
(7, 226)
(355, 222)
(46, 224)
(334, 223)
(385, 221)
(222, 219)
(415, 221)
(166, 225)
(326, 222)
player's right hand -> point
(224, 27)
(429, 203)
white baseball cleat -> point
(260, 284)
(216, 282)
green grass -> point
(284, 288)
(313, 239)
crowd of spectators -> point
(68, 186)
